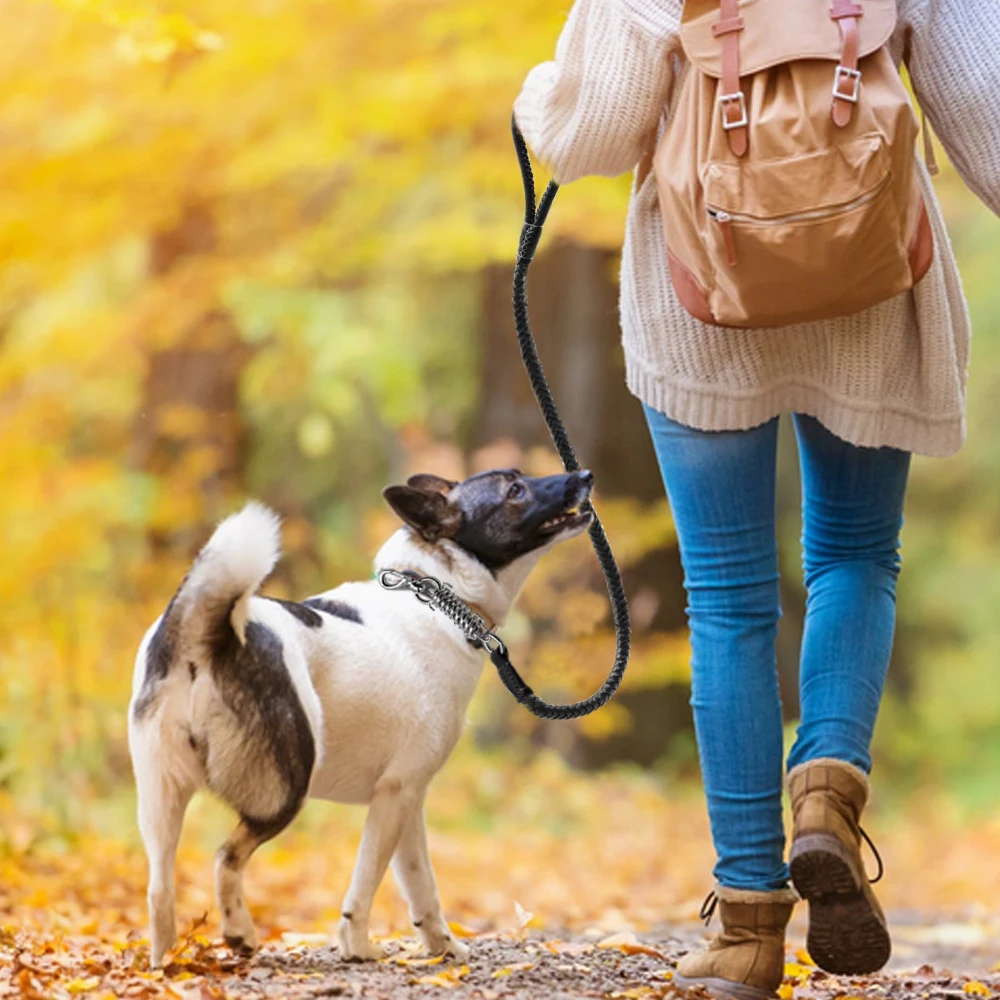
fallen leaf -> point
(85, 985)
(436, 960)
(785, 991)
(447, 979)
(798, 972)
(976, 989)
(572, 948)
(460, 930)
(627, 943)
(509, 969)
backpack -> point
(786, 172)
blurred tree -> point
(190, 412)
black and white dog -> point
(358, 695)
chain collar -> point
(440, 596)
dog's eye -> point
(516, 490)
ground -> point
(502, 966)
(563, 887)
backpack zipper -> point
(726, 219)
(725, 223)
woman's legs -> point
(721, 487)
(852, 514)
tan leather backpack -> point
(786, 173)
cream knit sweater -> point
(894, 374)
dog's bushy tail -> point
(235, 561)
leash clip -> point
(392, 579)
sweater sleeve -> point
(952, 57)
(594, 109)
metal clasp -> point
(724, 101)
(488, 637)
(854, 75)
(392, 579)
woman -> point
(866, 391)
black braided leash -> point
(440, 596)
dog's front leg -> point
(411, 865)
(390, 803)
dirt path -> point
(573, 967)
(953, 962)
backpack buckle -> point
(725, 101)
(854, 75)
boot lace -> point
(708, 907)
(878, 857)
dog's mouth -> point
(570, 518)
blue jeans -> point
(721, 488)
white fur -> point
(386, 702)
(238, 558)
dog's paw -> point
(157, 952)
(240, 945)
(355, 945)
(441, 941)
(239, 933)
(456, 949)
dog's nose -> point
(586, 476)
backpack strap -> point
(847, 77)
(732, 103)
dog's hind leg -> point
(411, 865)
(230, 862)
(390, 804)
(163, 799)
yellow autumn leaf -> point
(976, 989)
(460, 930)
(436, 960)
(786, 992)
(799, 972)
(83, 985)
(627, 943)
(447, 979)
(508, 970)
(803, 957)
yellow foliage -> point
(976, 989)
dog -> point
(357, 695)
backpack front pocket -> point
(804, 237)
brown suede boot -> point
(746, 961)
(847, 928)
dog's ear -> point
(426, 511)
(430, 483)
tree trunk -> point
(188, 431)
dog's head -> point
(496, 516)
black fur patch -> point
(338, 608)
(303, 612)
(253, 681)
(159, 656)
